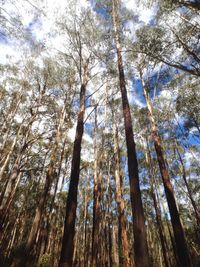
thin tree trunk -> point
(7, 158)
(110, 243)
(96, 201)
(197, 213)
(9, 192)
(49, 216)
(85, 230)
(181, 245)
(157, 208)
(115, 250)
(40, 208)
(48, 182)
(9, 119)
(161, 203)
(161, 230)
(120, 202)
(139, 229)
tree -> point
(181, 245)
(99, 133)
(140, 242)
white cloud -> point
(7, 52)
(87, 138)
(72, 132)
(130, 4)
(87, 155)
(145, 14)
(166, 94)
(39, 17)
(134, 98)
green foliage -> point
(187, 105)
(150, 39)
(44, 261)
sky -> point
(38, 18)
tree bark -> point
(157, 209)
(181, 245)
(120, 202)
(9, 192)
(139, 229)
(66, 256)
(96, 201)
(196, 211)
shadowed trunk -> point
(181, 245)
(157, 210)
(67, 250)
(139, 229)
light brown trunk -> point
(85, 249)
(115, 249)
(96, 201)
(48, 182)
(196, 211)
(181, 245)
(9, 119)
(120, 202)
(7, 158)
(41, 205)
(9, 192)
(157, 208)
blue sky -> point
(41, 26)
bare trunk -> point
(9, 192)
(9, 119)
(161, 231)
(85, 218)
(66, 257)
(7, 158)
(157, 209)
(96, 201)
(181, 245)
(197, 213)
(40, 208)
(120, 203)
(139, 229)
(48, 182)
(114, 241)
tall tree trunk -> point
(10, 118)
(96, 201)
(161, 203)
(49, 217)
(66, 256)
(85, 232)
(157, 208)
(48, 182)
(196, 211)
(7, 158)
(181, 245)
(139, 229)
(161, 230)
(115, 248)
(9, 191)
(41, 205)
(120, 202)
